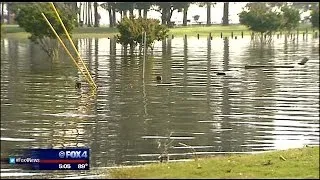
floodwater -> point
(130, 119)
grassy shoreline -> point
(100, 32)
(291, 163)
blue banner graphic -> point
(53, 159)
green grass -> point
(298, 163)
(194, 30)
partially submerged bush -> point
(132, 29)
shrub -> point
(131, 31)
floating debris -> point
(221, 73)
(303, 61)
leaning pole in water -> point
(144, 52)
(144, 41)
(85, 73)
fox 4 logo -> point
(77, 154)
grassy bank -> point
(292, 163)
(215, 30)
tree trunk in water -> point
(208, 14)
(110, 18)
(164, 16)
(83, 13)
(132, 47)
(185, 11)
(85, 19)
(168, 17)
(89, 14)
(140, 12)
(96, 15)
(145, 13)
(9, 13)
(2, 13)
(225, 19)
(114, 20)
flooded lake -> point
(130, 118)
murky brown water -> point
(245, 111)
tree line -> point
(87, 12)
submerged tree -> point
(260, 18)
(290, 18)
(264, 19)
(131, 31)
(29, 17)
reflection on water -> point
(244, 111)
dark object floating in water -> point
(266, 66)
(158, 78)
(221, 73)
(303, 61)
(78, 85)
